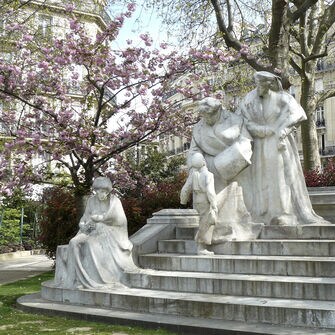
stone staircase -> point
(284, 282)
(266, 286)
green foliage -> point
(13, 322)
(58, 219)
(158, 183)
(153, 167)
(10, 229)
(10, 239)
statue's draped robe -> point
(100, 257)
(273, 185)
(213, 140)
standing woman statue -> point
(274, 186)
(101, 252)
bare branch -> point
(296, 67)
(307, 4)
(325, 95)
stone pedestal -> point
(283, 279)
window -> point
(187, 146)
(318, 85)
(320, 65)
(320, 117)
(44, 25)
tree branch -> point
(307, 4)
(325, 95)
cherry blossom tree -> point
(72, 104)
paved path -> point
(16, 266)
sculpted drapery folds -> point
(101, 252)
(255, 162)
(274, 186)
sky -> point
(143, 21)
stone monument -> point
(200, 182)
(273, 185)
(274, 264)
(101, 252)
(225, 143)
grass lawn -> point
(15, 322)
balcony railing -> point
(328, 151)
(320, 123)
(85, 6)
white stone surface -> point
(234, 220)
(101, 251)
(177, 323)
(215, 306)
(273, 185)
(200, 183)
(223, 140)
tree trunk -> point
(308, 128)
(279, 41)
(81, 201)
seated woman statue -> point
(100, 253)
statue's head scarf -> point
(276, 84)
(102, 183)
(209, 105)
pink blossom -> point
(69, 7)
(131, 6)
(74, 25)
(147, 39)
(27, 38)
(43, 65)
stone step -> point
(299, 232)
(288, 287)
(33, 303)
(317, 232)
(177, 246)
(306, 313)
(324, 248)
(186, 232)
(242, 264)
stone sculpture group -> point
(244, 173)
(252, 157)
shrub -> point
(164, 194)
(58, 219)
(10, 239)
(321, 177)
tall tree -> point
(273, 36)
(79, 102)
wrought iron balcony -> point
(321, 123)
(84, 6)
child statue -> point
(200, 182)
